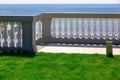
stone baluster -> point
(113, 30)
(15, 33)
(0, 36)
(12, 43)
(95, 30)
(106, 30)
(116, 30)
(71, 27)
(65, 27)
(83, 30)
(19, 36)
(2, 33)
(60, 27)
(89, 28)
(39, 30)
(119, 28)
(54, 27)
(5, 43)
(77, 27)
(101, 29)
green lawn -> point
(45, 66)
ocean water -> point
(36, 9)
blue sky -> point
(59, 1)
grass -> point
(45, 66)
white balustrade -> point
(10, 34)
(88, 28)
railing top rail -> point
(77, 15)
(21, 18)
(81, 13)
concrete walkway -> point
(71, 49)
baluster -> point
(65, 27)
(113, 30)
(77, 27)
(107, 31)
(12, 43)
(71, 27)
(60, 27)
(86, 29)
(39, 30)
(110, 29)
(19, 36)
(89, 28)
(83, 30)
(101, 28)
(15, 33)
(8, 34)
(5, 43)
(119, 28)
(2, 33)
(116, 30)
(95, 30)
(54, 27)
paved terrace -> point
(72, 49)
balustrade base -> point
(77, 41)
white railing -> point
(10, 34)
(17, 32)
(85, 28)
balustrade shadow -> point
(76, 45)
(18, 53)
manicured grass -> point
(45, 66)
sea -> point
(36, 9)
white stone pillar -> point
(46, 28)
(28, 41)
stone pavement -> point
(81, 49)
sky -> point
(59, 1)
